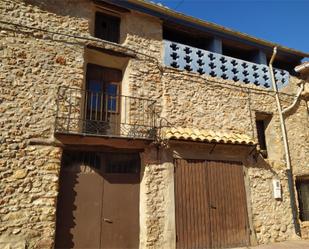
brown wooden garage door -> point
(98, 203)
(211, 208)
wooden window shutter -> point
(107, 27)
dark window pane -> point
(95, 94)
(112, 104)
(260, 126)
(95, 85)
(112, 89)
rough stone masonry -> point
(43, 45)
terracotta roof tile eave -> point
(212, 141)
(208, 136)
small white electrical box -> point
(277, 189)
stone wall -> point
(31, 71)
(36, 58)
(300, 158)
(48, 51)
(207, 103)
(33, 65)
(29, 183)
(157, 200)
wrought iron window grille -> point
(98, 113)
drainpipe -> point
(283, 128)
(286, 145)
(301, 88)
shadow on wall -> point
(257, 161)
(65, 208)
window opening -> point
(262, 121)
(238, 53)
(186, 37)
(112, 92)
(123, 163)
(102, 114)
(261, 134)
(302, 186)
(90, 159)
(107, 27)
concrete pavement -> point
(294, 244)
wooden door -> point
(120, 224)
(211, 209)
(98, 203)
(79, 202)
(102, 100)
(192, 205)
(228, 206)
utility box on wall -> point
(277, 189)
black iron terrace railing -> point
(97, 113)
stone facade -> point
(207, 107)
(45, 44)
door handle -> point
(213, 207)
(108, 220)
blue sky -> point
(282, 21)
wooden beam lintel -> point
(109, 142)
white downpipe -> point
(282, 123)
(286, 147)
(295, 100)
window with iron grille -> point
(90, 159)
(107, 27)
(122, 163)
(109, 163)
(302, 186)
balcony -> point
(99, 114)
(201, 61)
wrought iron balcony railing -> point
(97, 113)
(217, 65)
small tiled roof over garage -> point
(206, 136)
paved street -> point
(296, 244)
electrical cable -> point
(77, 37)
(161, 69)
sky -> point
(281, 21)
